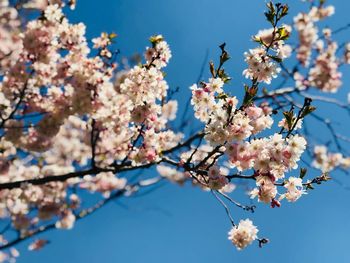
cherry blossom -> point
(76, 120)
(243, 234)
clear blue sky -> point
(182, 224)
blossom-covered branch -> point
(74, 120)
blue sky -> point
(183, 224)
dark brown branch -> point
(94, 170)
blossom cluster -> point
(63, 110)
(226, 122)
(71, 115)
(328, 161)
(262, 66)
(229, 125)
(324, 72)
(271, 158)
(233, 130)
(9, 35)
(243, 234)
(44, 4)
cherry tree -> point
(74, 120)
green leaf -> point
(112, 36)
(289, 116)
(224, 55)
(270, 14)
(156, 39)
(222, 47)
(270, 17)
(308, 110)
(283, 34)
(303, 172)
(222, 96)
(285, 10)
(212, 68)
(224, 77)
(258, 40)
(250, 93)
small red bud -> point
(275, 203)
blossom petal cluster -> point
(324, 74)
(243, 234)
(73, 119)
(64, 108)
(327, 161)
(260, 66)
(224, 121)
